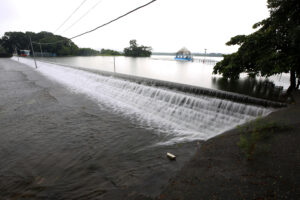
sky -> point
(165, 25)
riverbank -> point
(220, 169)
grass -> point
(254, 136)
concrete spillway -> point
(187, 88)
(184, 114)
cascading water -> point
(180, 116)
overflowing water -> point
(177, 116)
(191, 73)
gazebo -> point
(184, 54)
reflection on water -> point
(250, 86)
(191, 73)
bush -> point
(5, 55)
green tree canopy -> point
(110, 52)
(88, 52)
(272, 49)
(137, 51)
(60, 46)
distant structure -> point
(24, 53)
(184, 54)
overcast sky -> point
(166, 25)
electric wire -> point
(105, 24)
(85, 14)
(71, 15)
(94, 29)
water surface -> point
(198, 73)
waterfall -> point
(180, 116)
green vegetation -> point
(103, 52)
(3, 53)
(137, 51)
(254, 136)
(88, 52)
(59, 46)
(109, 52)
(62, 46)
(273, 49)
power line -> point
(71, 15)
(105, 24)
(85, 14)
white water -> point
(180, 116)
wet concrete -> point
(55, 144)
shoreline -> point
(219, 169)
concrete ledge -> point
(185, 88)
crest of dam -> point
(186, 88)
(178, 112)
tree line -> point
(57, 45)
(60, 46)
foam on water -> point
(180, 116)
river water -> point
(119, 144)
(198, 73)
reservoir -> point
(197, 73)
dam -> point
(69, 133)
(178, 115)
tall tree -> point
(137, 51)
(273, 49)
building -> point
(25, 53)
(184, 54)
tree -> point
(137, 51)
(12, 40)
(109, 52)
(88, 52)
(3, 53)
(273, 49)
(61, 46)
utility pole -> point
(41, 50)
(33, 52)
(17, 53)
(114, 64)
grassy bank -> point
(259, 160)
